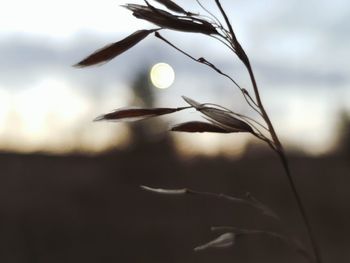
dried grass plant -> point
(219, 119)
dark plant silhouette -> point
(219, 119)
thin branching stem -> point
(226, 35)
(248, 95)
(223, 42)
(257, 133)
(199, 60)
(205, 62)
(278, 148)
(208, 12)
(301, 207)
(255, 204)
(280, 152)
(237, 114)
(260, 136)
(249, 200)
(288, 240)
(234, 39)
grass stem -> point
(280, 152)
(278, 146)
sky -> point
(299, 52)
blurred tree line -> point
(343, 140)
(149, 131)
(153, 131)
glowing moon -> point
(162, 75)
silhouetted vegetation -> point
(90, 209)
(220, 119)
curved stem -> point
(210, 13)
(278, 146)
(280, 152)
(314, 244)
(202, 60)
(288, 240)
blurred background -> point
(70, 186)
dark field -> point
(90, 209)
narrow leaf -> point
(165, 19)
(220, 117)
(181, 191)
(223, 241)
(198, 126)
(111, 51)
(135, 114)
(172, 6)
(192, 102)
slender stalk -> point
(278, 146)
(202, 60)
(290, 241)
(227, 37)
(314, 244)
(280, 152)
(250, 200)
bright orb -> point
(162, 75)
